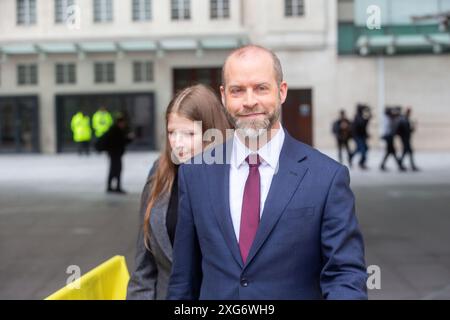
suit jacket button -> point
(244, 282)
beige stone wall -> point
(423, 82)
(122, 25)
(306, 47)
(419, 81)
(342, 82)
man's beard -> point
(254, 128)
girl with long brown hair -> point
(192, 112)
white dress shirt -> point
(269, 154)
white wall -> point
(423, 83)
(122, 25)
(417, 81)
(267, 25)
(306, 47)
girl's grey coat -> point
(150, 279)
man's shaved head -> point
(243, 52)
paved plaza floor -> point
(54, 212)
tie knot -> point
(253, 160)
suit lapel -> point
(158, 225)
(284, 184)
(219, 192)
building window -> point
(142, 10)
(181, 9)
(219, 9)
(65, 73)
(26, 12)
(104, 72)
(27, 74)
(103, 10)
(61, 7)
(143, 71)
(294, 8)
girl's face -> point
(185, 137)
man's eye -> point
(235, 90)
(262, 88)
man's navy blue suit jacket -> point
(308, 244)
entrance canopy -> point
(123, 46)
(392, 44)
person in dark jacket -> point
(342, 131)
(114, 142)
(360, 135)
(404, 130)
(391, 124)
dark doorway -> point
(19, 124)
(186, 77)
(297, 115)
(138, 108)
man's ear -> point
(283, 91)
(222, 94)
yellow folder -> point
(108, 281)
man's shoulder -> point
(313, 157)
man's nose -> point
(250, 99)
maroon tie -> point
(250, 206)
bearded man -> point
(277, 219)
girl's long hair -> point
(196, 103)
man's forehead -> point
(255, 68)
(255, 55)
(247, 81)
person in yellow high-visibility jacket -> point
(82, 132)
(101, 121)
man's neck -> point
(254, 144)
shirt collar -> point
(270, 152)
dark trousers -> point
(361, 147)
(83, 147)
(343, 144)
(407, 150)
(390, 151)
(115, 170)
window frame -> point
(26, 15)
(103, 11)
(294, 8)
(67, 71)
(104, 72)
(219, 9)
(143, 71)
(60, 7)
(144, 10)
(182, 11)
(27, 74)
